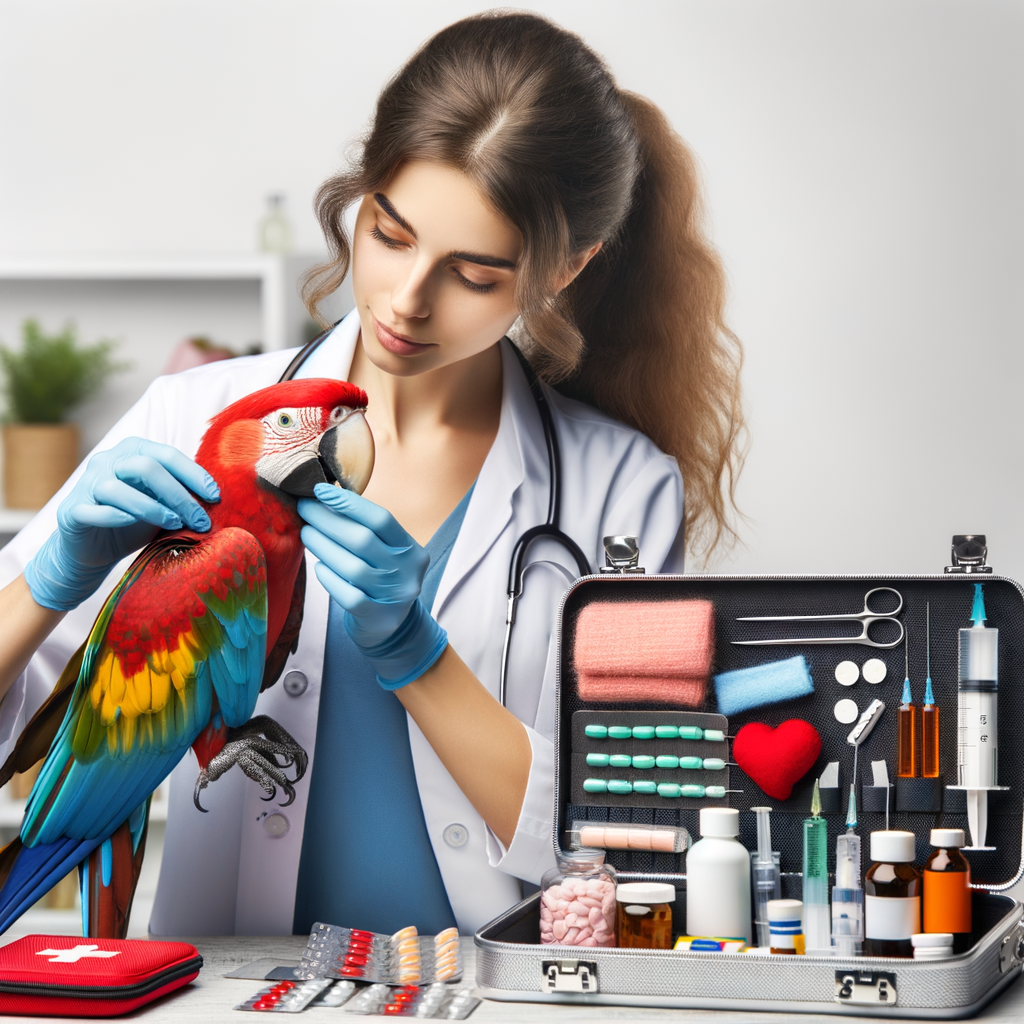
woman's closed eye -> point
(475, 286)
(391, 243)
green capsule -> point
(643, 761)
(714, 735)
(620, 786)
(643, 732)
(714, 764)
(690, 762)
(667, 761)
(715, 792)
(619, 732)
(597, 760)
(693, 789)
(666, 732)
(669, 789)
(645, 786)
(690, 732)
(595, 786)
(620, 760)
(596, 732)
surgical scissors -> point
(867, 618)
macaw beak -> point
(343, 457)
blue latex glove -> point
(124, 497)
(374, 570)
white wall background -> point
(863, 163)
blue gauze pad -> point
(747, 688)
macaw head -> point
(293, 436)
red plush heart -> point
(776, 759)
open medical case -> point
(512, 965)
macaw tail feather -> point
(108, 877)
(37, 737)
(32, 871)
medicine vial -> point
(644, 918)
(947, 888)
(892, 896)
(577, 900)
(932, 946)
(718, 878)
(785, 923)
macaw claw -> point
(263, 750)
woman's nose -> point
(410, 298)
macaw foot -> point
(263, 750)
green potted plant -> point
(48, 377)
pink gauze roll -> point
(658, 651)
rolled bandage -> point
(747, 688)
(654, 651)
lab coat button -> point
(295, 684)
(276, 825)
(456, 835)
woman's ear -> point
(578, 264)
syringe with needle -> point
(977, 719)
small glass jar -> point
(645, 914)
(577, 900)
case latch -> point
(969, 554)
(622, 555)
(1011, 951)
(871, 988)
(568, 976)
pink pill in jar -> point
(577, 901)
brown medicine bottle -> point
(644, 914)
(947, 888)
(892, 896)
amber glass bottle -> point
(645, 914)
(892, 896)
(947, 888)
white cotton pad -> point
(846, 711)
(847, 673)
(873, 670)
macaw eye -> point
(339, 412)
(284, 420)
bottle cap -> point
(646, 893)
(892, 847)
(928, 940)
(722, 822)
(785, 910)
(946, 837)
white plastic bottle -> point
(718, 878)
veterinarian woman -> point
(507, 186)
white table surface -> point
(211, 996)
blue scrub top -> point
(367, 861)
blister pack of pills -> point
(429, 1002)
(405, 958)
(287, 996)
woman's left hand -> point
(374, 570)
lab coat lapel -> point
(519, 444)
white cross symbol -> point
(72, 956)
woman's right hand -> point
(122, 499)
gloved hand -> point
(374, 570)
(122, 499)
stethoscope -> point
(549, 528)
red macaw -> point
(179, 653)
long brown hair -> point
(529, 112)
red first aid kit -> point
(70, 976)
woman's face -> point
(433, 270)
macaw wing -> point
(187, 622)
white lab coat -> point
(230, 871)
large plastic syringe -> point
(978, 719)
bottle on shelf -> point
(275, 230)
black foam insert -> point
(951, 599)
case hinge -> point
(621, 555)
(1011, 951)
(568, 976)
(969, 554)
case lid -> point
(893, 847)
(73, 962)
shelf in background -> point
(14, 519)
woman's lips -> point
(393, 343)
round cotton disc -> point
(847, 673)
(873, 670)
(846, 711)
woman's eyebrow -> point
(385, 205)
(469, 257)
